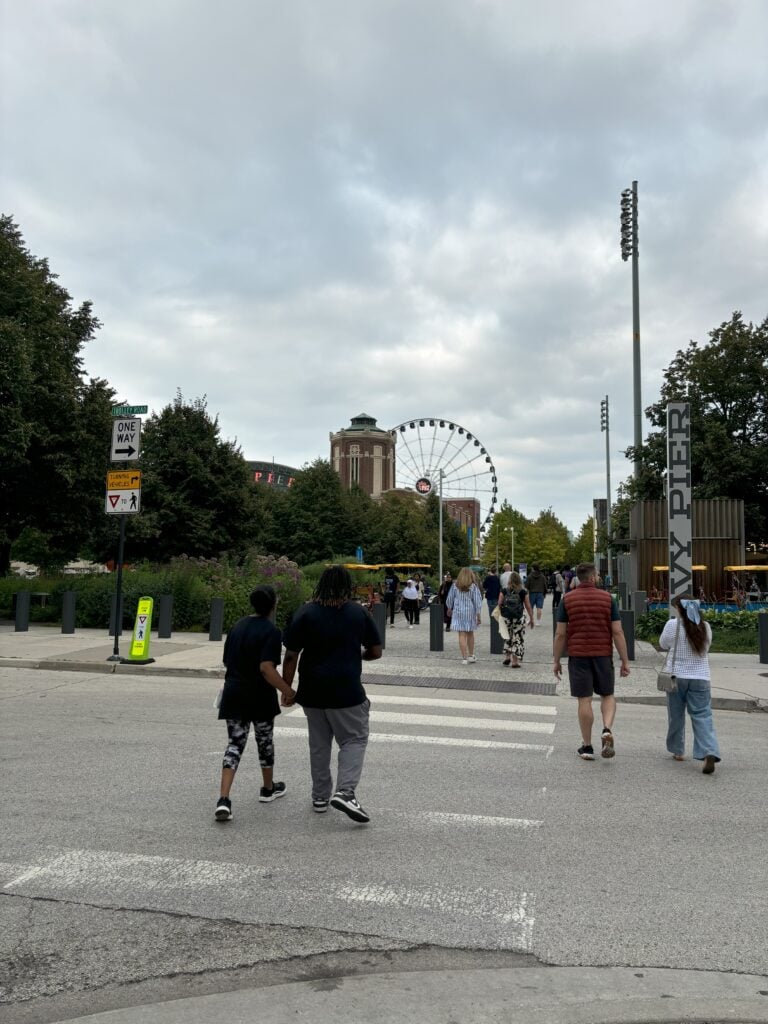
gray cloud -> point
(306, 210)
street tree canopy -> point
(54, 422)
(726, 383)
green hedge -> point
(191, 582)
(732, 632)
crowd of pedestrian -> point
(330, 636)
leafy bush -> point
(732, 632)
(192, 582)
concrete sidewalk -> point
(739, 681)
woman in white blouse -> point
(691, 667)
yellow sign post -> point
(139, 652)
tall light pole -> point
(629, 247)
(605, 427)
(511, 546)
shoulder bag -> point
(667, 681)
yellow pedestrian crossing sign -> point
(139, 651)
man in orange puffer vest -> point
(589, 620)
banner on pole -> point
(679, 504)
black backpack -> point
(513, 607)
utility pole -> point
(630, 248)
(605, 427)
(440, 529)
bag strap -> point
(674, 648)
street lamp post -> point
(629, 247)
(511, 546)
(605, 427)
(440, 529)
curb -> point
(748, 704)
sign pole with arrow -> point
(123, 500)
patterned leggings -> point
(237, 731)
(515, 646)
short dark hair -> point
(334, 587)
(585, 570)
(263, 599)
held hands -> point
(288, 699)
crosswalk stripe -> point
(447, 818)
(431, 741)
(461, 705)
(109, 878)
(458, 722)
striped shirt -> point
(688, 664)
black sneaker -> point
(586, 753)
(223, 810)
(266, 796)
(347, 802)
(319, 806)
(607, 740)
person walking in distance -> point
(506, 573)
(558, 585)
(514, 604)
(252, 652)
(442, 599)
(464, 603)
(410, 603)
(492, 589)
(589, 620)
(391, 583)
(536, 585)
(690, 638)
(334, 635)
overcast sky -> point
(308, 209)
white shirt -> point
(504, 579)
(688, 664)
(410, 593)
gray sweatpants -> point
(349, 727)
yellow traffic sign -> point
(139, 651)
(123, 479)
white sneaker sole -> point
(352, 812)
(223, 815)
(269, 799)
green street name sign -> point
(128, 410)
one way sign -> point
(126, 440)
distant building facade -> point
(272, 474)
(363, 455)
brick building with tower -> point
(364, 456)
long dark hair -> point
(334, 587)
(695, 631)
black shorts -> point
(591, 675)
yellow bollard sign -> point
(139, 652)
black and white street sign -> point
(126, 439)
(123, 503)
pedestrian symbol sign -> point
(122, 503)
(139, 651)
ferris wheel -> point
(428, 446)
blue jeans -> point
(696, 696)
(493, 602)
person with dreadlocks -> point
(333, 634)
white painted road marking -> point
(429, 741)
(458, 722)
(461, 705)
(107, 878)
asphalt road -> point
(491, 844)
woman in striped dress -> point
(463, 604)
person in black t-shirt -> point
(334, 635)
(391, 583)
(252, 652)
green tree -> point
(583, 548)
(317, 516)
(196, 496)
(547, 540)
(501, 536)
(726, 383)
(54, 422)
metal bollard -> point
(22, 611)
(623, 593)
(628, 625)
(114, 617)
(68, 599)
(639, 602)
(379, 616)
(762, 637)
(497, 641)
(165, 616)
(436, 627)
(216, 630)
